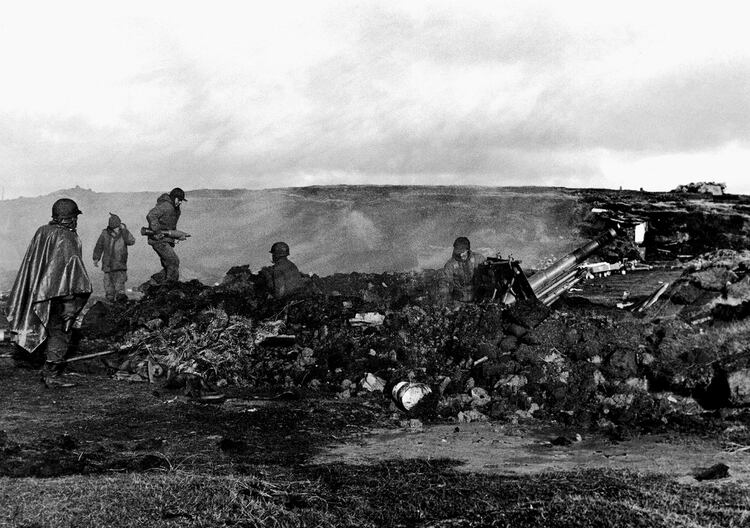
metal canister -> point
(407, 394)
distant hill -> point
(330, 229)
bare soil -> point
(113, 453)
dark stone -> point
(717, 471)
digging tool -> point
(74, 359)
(91, 356)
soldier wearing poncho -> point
(51, 288)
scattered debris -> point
(406, 394)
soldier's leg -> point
(59, 333)
(161, 276)
(119, 279)
(171, 263)
(109, 285)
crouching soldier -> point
(457, 279)
(283, 278)
(50, 290)
(112, 249)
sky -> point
(152, 95)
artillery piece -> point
(503, 280)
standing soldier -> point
(162, 220)
(283, 278)
(457, 279)
(112, 249)
(50, 290)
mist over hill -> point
(330, 229)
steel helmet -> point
(462, 243)
(280, 249)
(177, 193)
(65, 208)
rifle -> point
(175, 234)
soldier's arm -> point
(152, 218)
(127, 236)
(445, 282)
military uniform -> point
(112, 249)
(164, 217)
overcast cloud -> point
(243, 94)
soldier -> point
(283, 278)
(161, 220)
(50, 290)
(457, 279)
(112, 249)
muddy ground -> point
(317, 461)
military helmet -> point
(462, 243)
(280, 249)
(65, 208)
(177, 193)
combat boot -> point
(52, 377)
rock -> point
(471, 416)
(622, 363)
(715, 279)
(372, 383)
(685, 293)
(740, 290)
(516, 330)
(512, 381)
(739, 386)
(508, 343)
(717, 471)
(479, 397)
(718, 392)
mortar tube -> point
(553, 296)
(551, 286)
(540, 278)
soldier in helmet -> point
(457, 279)
(283, 278)
(162, 219)
(50, 290)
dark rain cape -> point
(52, 267)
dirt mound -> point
(576, 365)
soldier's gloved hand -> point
(159, 236)
(96, 263)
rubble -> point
(713, 188)
(466, 362)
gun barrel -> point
(542, 278)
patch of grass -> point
(405, 493)
(150, 499)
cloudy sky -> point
(146, 96)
